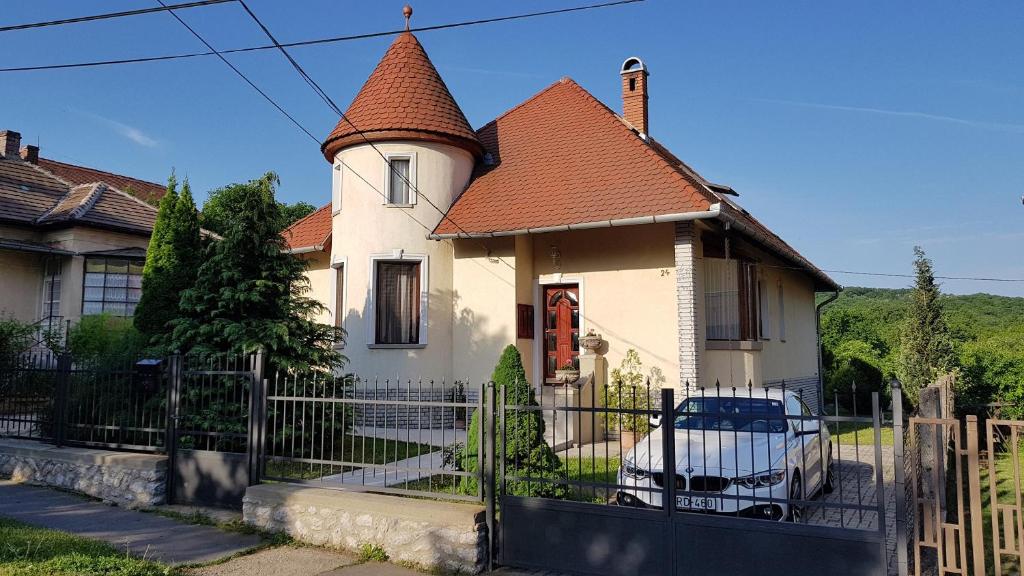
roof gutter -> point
(715, 211)
(305, 249)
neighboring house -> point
(557, 218)
(72, 239)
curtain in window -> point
(722, 299)
(399, 188)
(398, 302)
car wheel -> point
(830, 474)
(796, 492)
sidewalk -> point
(156, 537)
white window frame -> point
(411, 157)
(339, 265)
(782, 312)
(398, 255)
(336, 183)
(47, 305)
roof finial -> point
(407, 12)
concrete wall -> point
(125, 479)
(438, 536)
(485, 274)
(364, 227)
(22, 274)
(627, 290)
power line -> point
(240, 75)
(894, 275)
(317, 41)
(337, 109)
(106, 16)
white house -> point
(443, 244)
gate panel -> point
(576, 537)
(211, 402)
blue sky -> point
(853, 129)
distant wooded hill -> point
(861, 338)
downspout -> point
(821, 362)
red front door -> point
(561, 329)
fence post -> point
(974, 490)
(174, 367)
(488, 420)
(876, 421)
(257, 400)
(61, 397)
(668, 446)
(900, 480)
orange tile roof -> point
(76, 175)
(311, 232)
(562, 157)
(403, 99)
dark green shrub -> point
(15, 337)
(105, 340)
(522, 446)
(868, 378)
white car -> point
(735, 454)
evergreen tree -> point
(522, 443)
(926, 346)
(250, 294)
(158, 304)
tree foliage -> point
(988, 332)
(522, 443)
(220, 210)
(926, 348)
(251, 295)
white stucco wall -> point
(22, 280)
(364, 228)
(485, 310)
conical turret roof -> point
(403, 99)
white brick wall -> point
(686, 299)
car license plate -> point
(696, 503)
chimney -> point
(10, 142)
(634, 93)
(30, 153)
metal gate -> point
(560, 533)
(215, 416)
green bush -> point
(854, 363)
(15, 337)
(522, 444)
(105, 340)
(630, 389)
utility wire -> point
(894, 275)
(337, 109)
(276, 105)
(328, 40)
(95, 17)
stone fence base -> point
(440, 536)
(126, 479)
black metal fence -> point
(390, 436)
(54, 398)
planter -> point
(460, 424)
(591, 341)
(567, 376)
(627, 439)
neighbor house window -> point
(764, 305)
(782, 313)
(51, 290)
(399, 179)
(397, 294)
(339, 294)
(731, 299)
(112, 285)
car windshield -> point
(731, 414)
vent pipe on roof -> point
(634, 93)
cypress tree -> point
(157, 305)
(522, 443)
(250, 294)
(926, 346)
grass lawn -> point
(29, 551)
(1006, 491)
(863, 433)
(350, 448)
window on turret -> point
(400, 176)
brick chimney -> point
(10, 143)
(634, 93)
(30, 153)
